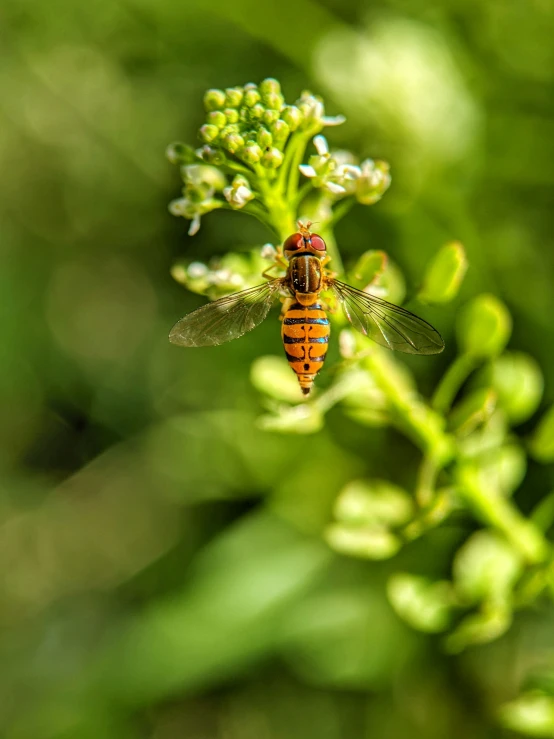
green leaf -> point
(373, 502)
(272, 375)
(486, 567)
(484, 327)
(444, 274)
(422, 603)
(531, 713)
(519, 383)
(542, 442)
(473, 411)
(368, 542)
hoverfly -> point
(305, 325)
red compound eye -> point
(294, 242)
(317, 243)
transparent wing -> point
(387, 324)
(227, 318)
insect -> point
(305, 326)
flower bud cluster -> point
(253, 123)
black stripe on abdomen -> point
(318, 339)
(311, 321)
(293, 339)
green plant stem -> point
(499, 512)
(421, 423)
(454, 378)
(427, 476)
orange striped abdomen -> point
(305, 333)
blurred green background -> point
(163, 573)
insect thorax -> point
(305, 273)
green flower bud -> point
(366, 542)
(292, 116)
(270, 116)
(179, 153)
(444, 274)
(251, 154)
(230, 129)
(280, 131)
(231, 115)
(209, 133)
(473, 411)
(271, 375)
(264, 138)
(485, 567)
(216, 118)
(481, 627)
(270, 86)
(233, 97)
(214, 99)
(484, 327)
(211, 156)
(373, 502)
(233, 142)
(542, 441)
(422, 603)
(518, 381)
(273, 101)
(251, 97)
(257, 112)
(273, 158)
(369, 267)
(531, 714)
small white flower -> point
(334, 188)
(221, 276)
(320, 143)
(268, 251)
(335, 120)
(307, 170)
(194, 227)
(238, 193)
(197, 269)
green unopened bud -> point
(214, 99)
(233, 97)
(231, 115)
(251, 97)
(300, 419)
(518, 381)
(369, 267)
(374, 542)
(272, 158)
(179, 153)
(280, 131)
(270, 116)
(422, 603)
(251, 154)
(531, 714)
(484, 327)
(264, 138)
(233, 142)
(230, 129)
(444, 274)
(217, 118)
(211, 156)
(473, 411)
(373, 502)
(257, 112)
(542, 441)
(481, 627)
(273, 101)
(209, 133)
(270, 86)
(292, 116)
(271, 375)
(485, 567)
